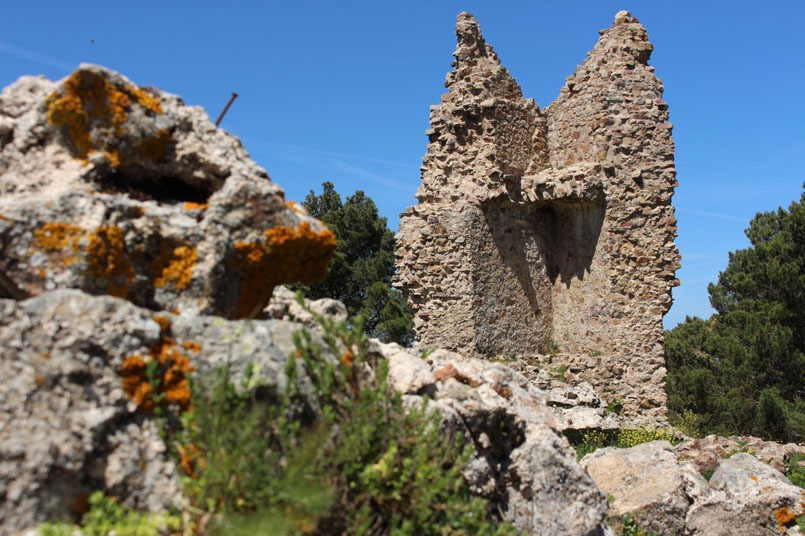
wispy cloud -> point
(379, 179)
(712, 214)
(298, 148)
(35, 57)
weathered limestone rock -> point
(748, 497)
(121, 190)
(523, 464)
(69, 423)
(648, 482)
(549, 227)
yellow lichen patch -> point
(178, 269)
(58, 236)
(170, 372)
(784, 516)
(88, 100)
(113, 157)
(289, 254)
(107, 259)
(293, 205)
(189, 205)
(155, 147)
(192, 346)
(147, 101)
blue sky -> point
(340, 91)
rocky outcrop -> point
(648, 482)
(540, 228)
(117, 189)
(668, 496)
(523, 462)
(75, 375)
(75, 384)
(706, 452)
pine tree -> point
(743, 370)
(363, 265)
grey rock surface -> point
(67, 425)
(748, 497)
(523, 462)
(116, 189)
(648, 482)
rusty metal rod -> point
(228, 104)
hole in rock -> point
(152, 187)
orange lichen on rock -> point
(88, 100)
(784, 516)
(107, 259)
(289, 254)
(293, 205)
(189, 205)
(59, 236)
(166, 382)
(178, 269)
(155, 147)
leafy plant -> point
(796, 471)
(362, 464)
(106, 515)
(631, 528)
(623, 438)
(616, 405)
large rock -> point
(523, 462)
(748, 498)
(123, 190)
(648, 482)
(74, 379)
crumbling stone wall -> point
(540, 230)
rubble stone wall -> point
(540, 230)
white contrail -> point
(35, 57)
(379, 179)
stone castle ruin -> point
(549, 233)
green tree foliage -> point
(743, 370)
(361, 270)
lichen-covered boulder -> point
(123, 190)
(748, 498)
(75, 410)
(648, 482)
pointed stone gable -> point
(548, 235)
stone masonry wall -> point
(549, 230)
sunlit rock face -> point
(123, 190)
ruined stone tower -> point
(545, 229)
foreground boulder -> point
(667, 496)
(648, 482)
(748, 498)
(123, 190)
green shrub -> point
(796, 472)
(630, 528)
(365, 465)
(616, 405)
(687, 422)
(106, 515)
(623, 438)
